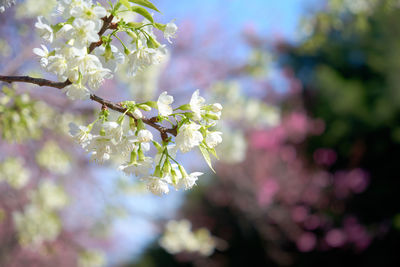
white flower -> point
(81, 134)
(101, 149)
(113, 130)
(88, 12)
(139, 168)
(77, 91)
(49, 196)
(188, 180)
(43, 53)
(216, 107)
(196, 103)
(170, 31)
(96, 77)
(83, 32)
(13, 172)
(137, 114)
(188, 137)
(85, 62)
(109, 61)
(35, 225)
(58, 65)
(213, 139)
(145, 136)
(143, 57)
(45, 31)
(5, 4)
(127, 144)
(65, 31)
(179, 237)
(164, 104)
(156, 185)
(53, 158)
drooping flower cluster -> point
(5, 4)
(179, 237)
(82, 50)
(125, 140)
(116, 137)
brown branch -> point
(37, 81)
(149, 121)
(60, 85)
(106, 25)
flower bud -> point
(216, 107)
(212, 116)
(145, 136)
(167, 168)
(137, 114)
(144, 107)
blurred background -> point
(308, 169)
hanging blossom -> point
(178, 237)
(5, 4)
(125, 140)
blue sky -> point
(269, 16)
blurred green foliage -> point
(19, 117)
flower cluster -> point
(5, 4)
(19, 116)
(178, 237)
(39, 221)
(13, 172)
(81, 33)
(91, 258)
(53, 158)
(125, 139)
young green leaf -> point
(213, 152)
(206, 156)
(145, 3)
(134, 24)
(125, 3)
(160, 26)
(140, 10)
(152, 43)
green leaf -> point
(143, 12)
(125, 3)
(152, 104)
(145, 3)
(135, 24)
(160, 26)
(152, 43)
(206, 156)
(213, 152)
